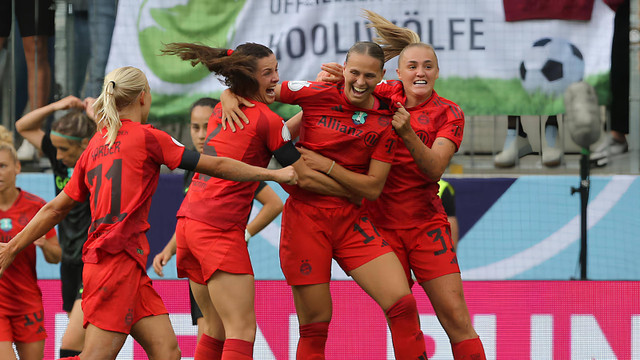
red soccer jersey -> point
(19, 291)
(224, 203)
(331, 126)
(121, 180)
(409, 197)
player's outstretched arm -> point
(231, 169)
(48, 217)
(160, 260)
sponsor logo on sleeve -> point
(297, 85)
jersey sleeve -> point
(386, 146)
(76, 188)
(261, 185)
(391, 91)
(277, 138)
(301, 92)
(453, 128)
(51, 233)
(169, 150)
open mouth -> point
(420, 82)
(359, 91)
(271, 92)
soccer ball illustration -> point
(550, 65)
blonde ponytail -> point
(392, 38)
(121, 87)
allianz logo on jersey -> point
(6, 224)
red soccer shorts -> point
(426, 250)
(311, 236)
(202, 249)
(117, 293)
(25, 328)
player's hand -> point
(160, 260)
(40, 242)
(88, 107)
(286, 175)
(6, 258)
(232, 115)
(332, 72)
(315, 161)
(401, 121)
(69, 102)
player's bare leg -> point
(447, 297)
(30, 351)
(233, 296)
(73, 338)
(314, 309)
(102, 344)
(313, 303)
(6, 348)
(210, 323)
(384, 279)
(156, 336)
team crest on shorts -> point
(6, 224)
(359, 117)
(305, 267)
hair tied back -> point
(229, 52)
(110, 92)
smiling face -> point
(418, 71)
(199, 120)
(361, 75)
(267, 77)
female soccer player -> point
(417, 228)
(201, 111)
(211, 250)
(21, 310)
(68, 138)
(345, 122)
(119, 170)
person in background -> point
(63, 145)
(616, 142)
(200, 112)
(21, 309)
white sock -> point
(551, 134)
(510, 138)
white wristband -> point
(247, 235)
(331, 168)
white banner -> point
(487, 65)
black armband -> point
(287, 154)
(189, 160)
